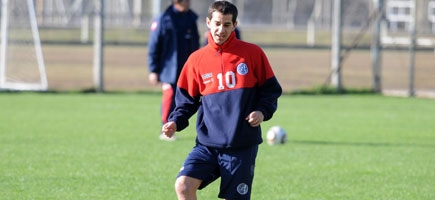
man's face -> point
(220, 27)
(183, 6)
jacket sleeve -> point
(155, 47)
(186, 107)
(268, 97)
(269, 88)
(187, 97)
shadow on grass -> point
(329, 90)
(317, 90)
(84, 91)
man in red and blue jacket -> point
(231, 86)
(173, 37)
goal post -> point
(22, 64)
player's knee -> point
(181, 187)
(184, 187)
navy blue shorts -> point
(234, 167)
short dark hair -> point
(224, 7)
(178, 1)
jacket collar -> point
(223, 46)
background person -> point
(231, 85)
(173, 37)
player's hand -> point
(153, 78)
(169, 129)
(255, 118)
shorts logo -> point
(242, 188)
(242, 69)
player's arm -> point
(186, 107)
(169, 129)
(154, 50)
(268, 97)
(187, 96)
(269, 88)
(255, 118)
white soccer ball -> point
(276, 135)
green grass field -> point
(106, 146)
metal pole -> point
(84, 30)
(137, 12)
(376, 46)
(80, 5)
(99, 46)
(313, 22)
(336, 47)
(4, 42)
(413, 43)
(156, 8)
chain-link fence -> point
(283, 27)
(284, 15)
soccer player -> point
(173, 37)
(231, 85)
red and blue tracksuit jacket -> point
(224, 84)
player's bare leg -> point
(186, 187)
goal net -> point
(21, 60)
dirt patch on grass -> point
(71, 68)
